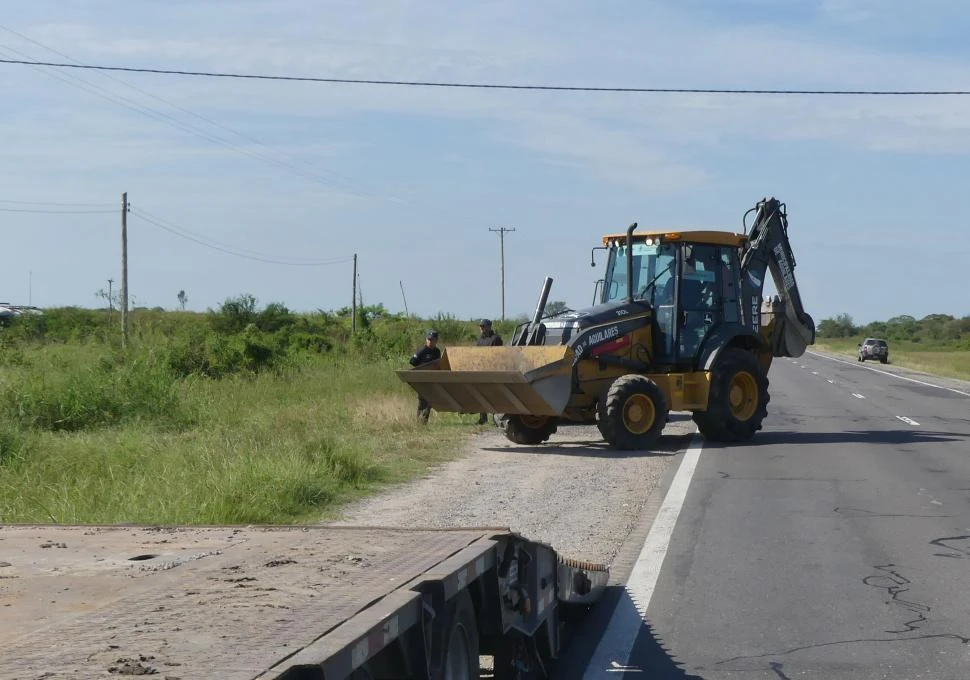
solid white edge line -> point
(891, 375)
(908, 421)
(616, 643)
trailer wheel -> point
(738, 401)
(459, 650)
(635, 413)
(529, 430)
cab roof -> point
(717, 238)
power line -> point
(485, 86)
(55, 211)
(312, 174)
(54, 204)
(227, 246)
(231, 250)
(305, 169)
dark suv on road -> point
(874, 348)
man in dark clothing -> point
(426, 354)
(488, 338)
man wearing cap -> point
(488, 338)
(426, 354)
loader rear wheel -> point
(738, 401)
(634, 413)
(529, 430)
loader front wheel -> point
(738, 401)
(529, 430)
(633, 414)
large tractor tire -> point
(529, 430)
(633, 414)
(738, 401)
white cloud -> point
(544, 43)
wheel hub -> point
(743, 395)
(638, 413)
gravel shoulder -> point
(573, 492)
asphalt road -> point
(836, 544)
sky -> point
(269, 188)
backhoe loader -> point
(680, 324)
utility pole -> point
(124, 269)
(353, 298)
(111, 306)
(501, 231)
(405, 299)
(30, 288)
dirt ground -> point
(573, 492)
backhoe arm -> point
(791, 330)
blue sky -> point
(411, 179)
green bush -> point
(60, 395)
(12, 442)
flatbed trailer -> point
(284, 602)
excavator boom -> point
(768, 249)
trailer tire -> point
(738, 401)
(529, 430)
(634, 414)
(459, 649)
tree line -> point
(935, 330)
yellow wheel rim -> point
(533, 422)
(743, 395)
(639, 413)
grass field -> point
(86, 440)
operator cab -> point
(706, 297)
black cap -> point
(432, 335)
(485, 322)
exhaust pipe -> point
(543, 296)
(629, 263)
(540, 308)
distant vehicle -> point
(8, 311)
(874, 348)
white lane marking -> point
(908, 421)
(814, 372)
(617, 668)
(830, 381)
(891, 375)
(616, 644)
(858, 396)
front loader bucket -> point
(532, 380)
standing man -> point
(488, 338)
(426, 354)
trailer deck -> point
(192, 602)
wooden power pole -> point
(353, 304)
(501, 231)
(124, 269)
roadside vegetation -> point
(249, 414)
(239, 415)
(937, 344)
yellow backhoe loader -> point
(680, 324)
